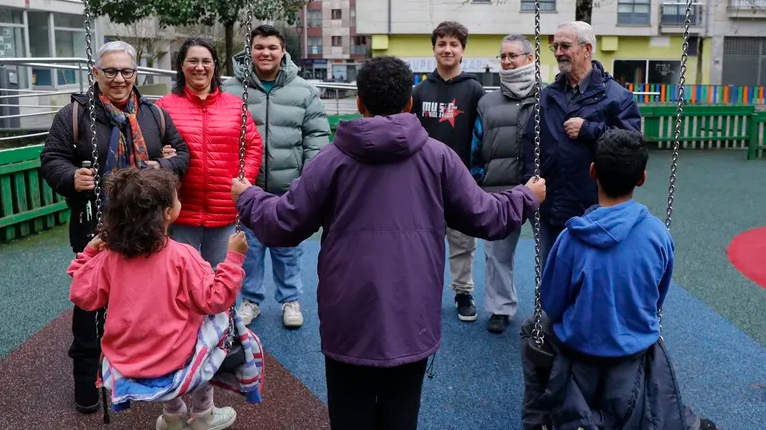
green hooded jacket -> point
(290, 118)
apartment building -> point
(738, 42)
(638, 41)
(330, 46)
(55, 28)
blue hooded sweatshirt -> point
(606, 278)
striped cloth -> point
(201, 369)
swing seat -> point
(238, 368)
(541, 358)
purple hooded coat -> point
(383, 193)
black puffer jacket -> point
(61, 156)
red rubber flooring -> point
(37, 383)
(747, 252)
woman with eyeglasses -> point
(209, 121)
(130, 132)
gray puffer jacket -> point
(497, 156)
(290, 118)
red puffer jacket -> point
(211, 129)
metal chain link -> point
(245, 85)
(677, 132)
(537, 331)
(229, 341)
(92, 115)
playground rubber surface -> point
(713, 324)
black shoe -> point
(86, 398)
(497, 323)
(466, 310)
(706, 424)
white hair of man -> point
(584, 32)
(116, 46)
(521, 41)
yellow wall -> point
(481, 46)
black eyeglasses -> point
(111, 73)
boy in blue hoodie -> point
(603, 286)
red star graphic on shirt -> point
(450, 113)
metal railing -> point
(340, 102)
(674, 14)
(748, 4)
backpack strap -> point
(75, 122)
(162, 120)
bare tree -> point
(150, 40)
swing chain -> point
(537, 331)
(679, 114)
(677, 132)
(92, 116)
(245, 85)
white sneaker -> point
(291, 315)
(168, 422)
(216, 419)
(248, 311)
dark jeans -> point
(548, 235)
(367, 398)
(85, 352)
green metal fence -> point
(28, 205)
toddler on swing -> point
(164, 303)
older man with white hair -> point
(577, 108)
(130, 132)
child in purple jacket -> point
(383, 193)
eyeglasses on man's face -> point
(564, 46)
(111, 73)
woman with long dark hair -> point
(209, 121)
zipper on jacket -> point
(204, 162)
(266, 146)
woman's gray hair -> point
(521, 41)
(116, 46)
(584, 32)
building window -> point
(633, 11)
(70, 42)
(337, 41)
(545, 5)
(12, 45)
(337, 14)
(359, 45)
(314, 18)
(744, 61)
(646, 71)
(314, 45)
(352, 18)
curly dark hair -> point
(620, 161)
(266, 30)
(450, 28)
(215, 84)
(384, 85)
(134, 222)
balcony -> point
(673, 16)
(746, 9)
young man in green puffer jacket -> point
(293, 125)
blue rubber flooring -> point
(477, 380)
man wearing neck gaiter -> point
(576, 109)
(446, 105)
(497, 164)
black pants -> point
(85, 352)
(367, 398)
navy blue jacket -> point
(564, 162)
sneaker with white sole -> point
(171, 422)
(248, 311)
(215, 419)
(291, 315)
